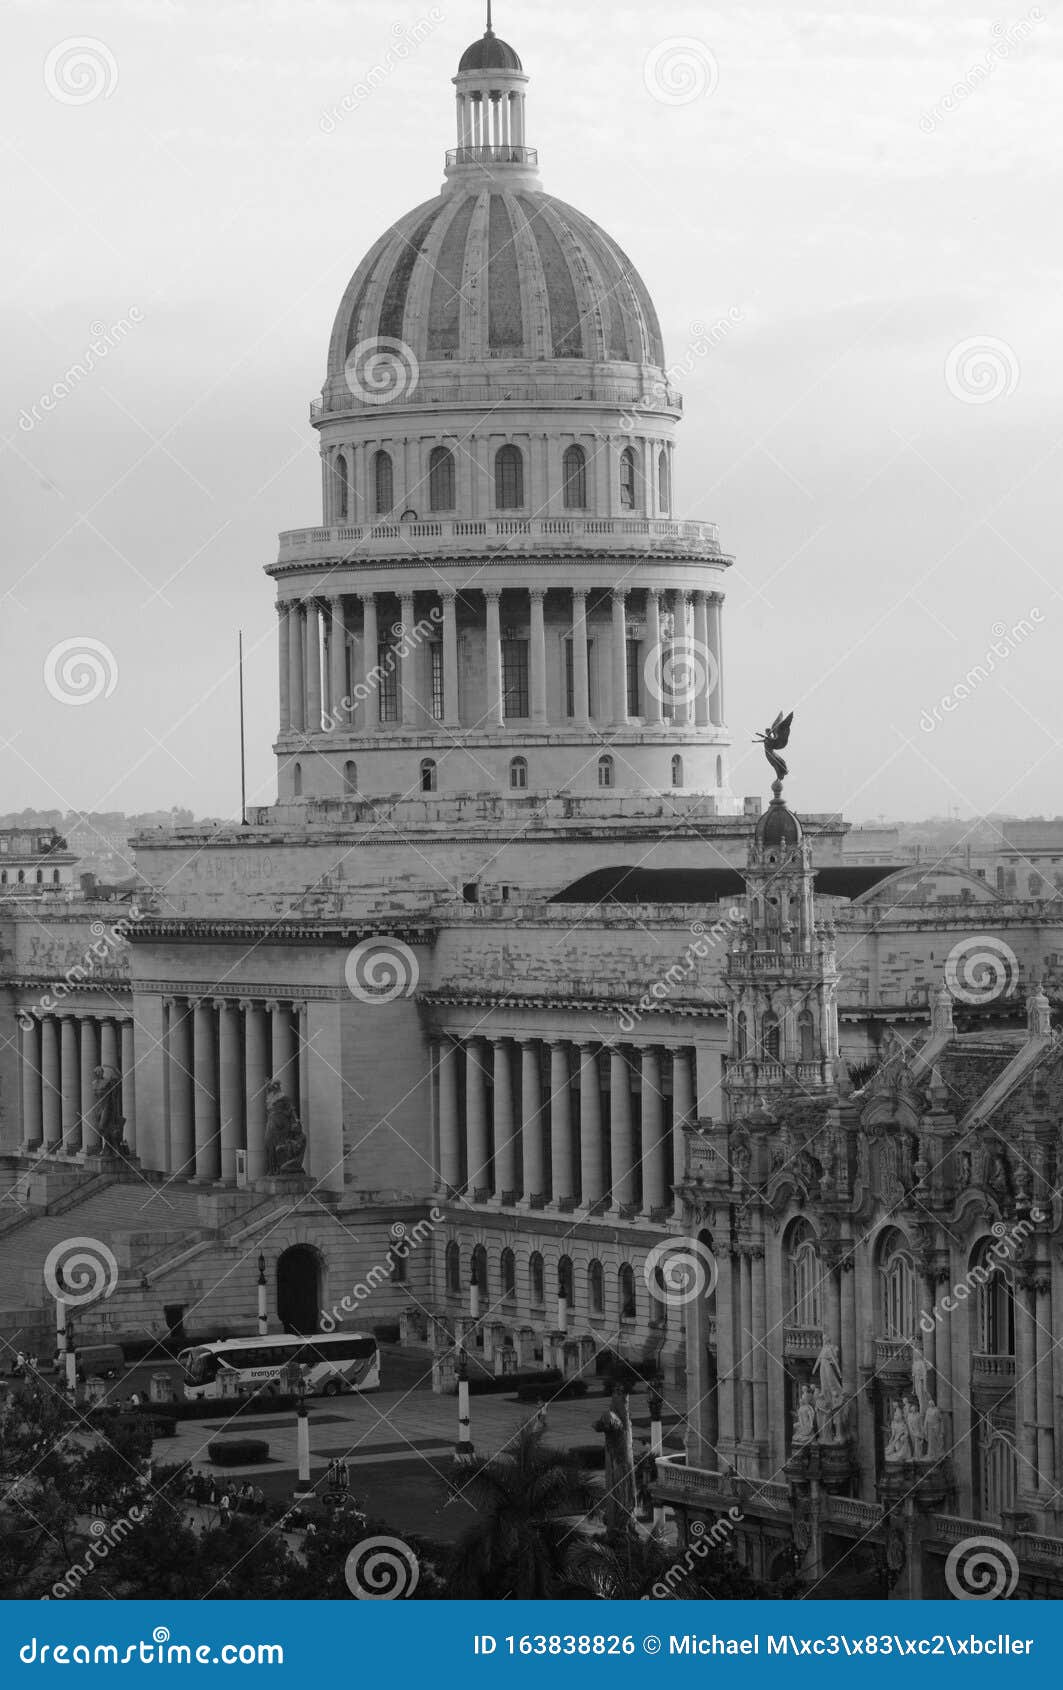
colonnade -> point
(329, 678)
(564, 1123)
(58, 1057)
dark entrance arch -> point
(299, 1289)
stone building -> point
(871, 1280)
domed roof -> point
(499, 270)
(778, 828)
(489, 54)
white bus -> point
(327, 1364)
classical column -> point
(230, 1101)
(313, 667)
(51, 1092)
(758, 1346)
(109, 1057)
(493, 658)
(507, 1170)
(581, 706)
(683, 1108)
(284, 662)
(1025, 1385)
(653, 649)
(745, 1344)
(449, 1126)
(619, 656)
(532, 1123)
(620, 1139)
(538, 657)
(1043, 1338)
(70, 1082)
(476, 1126)
(451, 716)
(297, 668)
(654, 1196)
(182, 1120)
(592, 1157)
(715, 635)
(560, 1124)
(410, 708)
(90, 1061)
(681, 638)
(369, 707)
(302, 1048)
(704, 663)
(30, 1075)
(257, 1067)
(129, 1084)
(337, 647)
(205, 1091)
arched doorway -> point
(299, 1289)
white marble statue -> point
(805, 1419)
(899, 1447)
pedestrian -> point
(135, 1399)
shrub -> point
(237, 1452)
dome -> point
(489, 54)
(778, 828)
(499, 270)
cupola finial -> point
(489, 30)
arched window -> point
(1035, 885)
(441, 479)
(565, 1280)
(22, 872)
(806, 1032)
(383, 484)
(999, 1465)
(3, 877)
(574, 470)
(509, 478)
(605, 771)
(596, 1288)
(40, 877)
(677, 770)
(628, 473)
(340, 475)
(769, 1036)
(537, 1277)
(664, 483)
(479, 1268)
(626, 1287)
(994, 1305)
(1000, 880)
(896, 1287)
(453, 1270)
(719, 771)
(806, 1277)
(509, 1277)
(428, 775)
(350, 777)
(55, 877)
(297, 780)
(742, 1035)
(518, 773)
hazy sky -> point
(877, 431)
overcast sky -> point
(867, 196)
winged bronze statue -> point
(776, 739)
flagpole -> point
(243, 754)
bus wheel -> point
(332, 1389)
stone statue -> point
(825, 1427)
(106, 1116)
(829, 1370)
(285, 1139)
(805, 1419)
(776, 739)
(920, 1372)
(934, 1425)
(913, 1416)
(899, 1447)
(620, 1481)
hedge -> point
(237, 1452)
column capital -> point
(580, 593)
(537, 594)
(367, 595)
(619, 594)
(492, 594)
(247, 1004)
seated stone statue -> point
(285, 1139)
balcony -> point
(528, 156)
(893, 1355)
(802, 1341)
(518, 536)
(993, 1370)
(437, 386)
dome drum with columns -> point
(501, 596)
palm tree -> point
(533, 1503)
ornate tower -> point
(500, 597)
(782, 975)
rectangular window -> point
(436, 651)
(515, 696)
(634, 702)
(388, 683)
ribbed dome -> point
(778, 827)
(489, 54)
(486, 272)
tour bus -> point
(327, 1364)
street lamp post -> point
(304, 1488)
(656, 1408)
(263, 1324)
(464, 1444)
